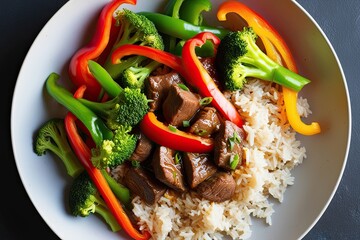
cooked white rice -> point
(271, 152)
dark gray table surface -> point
(21, 21)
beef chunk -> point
(206, 122)
(180, 105)
(142, 183)
(143, 149)
(166, 170)
(157, 88)
(218, 188)
(198, 167)
(229, 146)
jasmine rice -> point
(271, 151)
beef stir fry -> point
(156, 169)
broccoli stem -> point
(134, 77)
(272, 71)
(66, 154)
(108, 217)
(116, 69)
(289, 79)
(129, 35)
(125, 37)
(150, 67)
(52, 136)
(102, 109)
(121, 192)
(71, 163)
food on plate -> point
(84, 199)
(239, 58)
(51, 136)
(178, 132)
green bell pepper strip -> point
(92, 122)
(191, 10)
(180, 28)
(172, 9)
(184, 30)
(111, 87)
(121, 192)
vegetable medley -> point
(110, 105)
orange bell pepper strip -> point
(78, 68)
(274, 45)
(83, 153)
(174, 138)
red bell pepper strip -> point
(158, 55)
(83, 153)
(174, 138)
(274, 45)
(199, 78)
(78, 68)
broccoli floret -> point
(114, 152)
(134, 77)
(126, 109)
(239, 57)
(134, 29)
(51, 136)
(84, 199)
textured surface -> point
(22, 20)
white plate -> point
(316, 180)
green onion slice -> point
(234, 161)
(183, 86)
(206, 101)
(172, 128)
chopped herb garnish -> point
(135, 164)
(172, 128)
(186, 123)
(231, 144)
(234, 161)
(200, 132)
(174, 174)
(183, 86)
(233, 140)
(177, 157)
(206, 101)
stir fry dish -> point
(176, 129)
